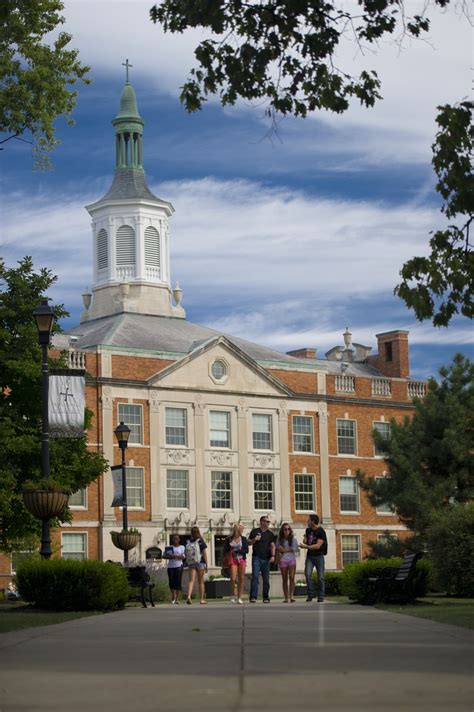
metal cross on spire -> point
(127, 67)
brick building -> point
(223, 430)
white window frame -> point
(383, 537)
(270, 432)
(312, 479)
(383, 513)
(86, 545)
(346, 420)
(141, 488)
(229, 427)
(134, 427)
(169, 489)
(311, 433)
(271, 491)
(184, 428)
(79, 506)
(349, 551)
(374, 427)
(26, 552)
(228, 491)
(351, 494)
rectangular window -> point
(135, 487)
(221, 490)
(219, 427)
(302, 433)
(261, 431)
(350, 546)
(131, 415)
(349, 494)
(263, 491)
(383, 508)
(388, 351)
(177, 489)
(176, 426)
(78, 499)
(346, 437)
(74, 546)
(384, 430)
(304, 493)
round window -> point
(218, 370)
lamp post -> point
(44, 317)
(122, 433)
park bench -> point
(394, 584)
(139, 582)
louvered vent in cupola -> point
(125, 245)
(102, 250)
(152, 247)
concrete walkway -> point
(232, 658)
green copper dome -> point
(128, 104)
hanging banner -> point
(118, 487)
(66, 404)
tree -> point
(34, 76)
(442, 284)
(72, 465)
(430, 457)
(284, 51)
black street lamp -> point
(44, 317)
(122, 433)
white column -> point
(155, 470)
(244, 511)
(108, 451)
(200, 442)
(324, 465)
(112, 269)
(285, 483)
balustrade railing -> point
(416, 389)
(345, 384)
(382, 387)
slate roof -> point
(174, 337)
(129, 183)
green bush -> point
(333, 581)
(68, 585)
(355, 578)
(451, 546)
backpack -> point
(192, 552)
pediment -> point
(242, 373)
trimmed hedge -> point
(69, 585)
(354, 581)
(333, 580)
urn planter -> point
(45, 503)
(125, 540)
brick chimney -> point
(302, 353)
(392, 358)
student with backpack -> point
(196, 561)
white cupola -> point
(130, 232)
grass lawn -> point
(17, 616)
(456, 611)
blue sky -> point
(283, 241)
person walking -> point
(262, 541)
(196, 560)
(316, 543)
(286, 548)
(175, 556)
(235, 552)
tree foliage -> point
(442, 284)
(430, 456)
(283, 52)
(72, 465)
(35, 76)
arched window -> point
(152, 247)
(125, 245)
(102, 250)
